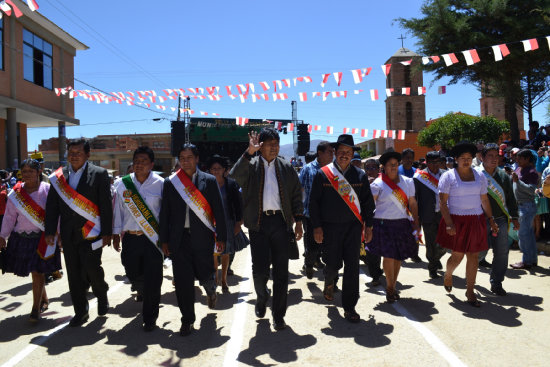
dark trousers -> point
(342, 246)
(143, 265)
(374, 265)
(312, 249)
(192, 261)
(434, 252)
(83, 266)
(271, 246)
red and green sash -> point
(194, 199)
(80, 205)
(139, 210)
(30, 209)
(344, 189)
(398, 197)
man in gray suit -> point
(78, 190)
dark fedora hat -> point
(389, 154)
(345, 139)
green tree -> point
(366, 153)
(459, 25)
(455, 127)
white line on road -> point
(239, 319)
(430, 337)
(40, 341)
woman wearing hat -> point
(232, 203)
(463, 228)
(395, 220)
(23, 223)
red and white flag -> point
(309, 128)
(530, 45)
(364, 133)
(264, 85)
(325, 95)
(229, 93)
(241, 121)
(421, 91)
(303, 96)
(450, 59)
(338, 77)
(204, 113)
(401, 135)
(5, 6)
(317, 128)
(346, 130)
(357, 91)
(389, 92)
(374, 94)
(277, 83)
(425, 60)
(324, 79)
(471, 57)
(315, 94)
(500, 51)
(330, 130)
(290, 127)
(32, 5)
(406, 91)
(359, 74)
(161, 107)
(406, 63)
(354, 130)
(435, 59)
(217, 97)
(442, 89)
(280, 96)
(386, 69)
(376, 134)
(215, 114)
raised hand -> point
(253, 144)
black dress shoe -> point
(102, 307)
(211, 300)
(309, 271)
(79, 320)
(186, 329)
(433, 274)
(416, 259)
(149, 326)
(139, 297)
(485, 264)
(498, 290)
(279, 325)
(319, 265)
(259, 309)
(439, 265)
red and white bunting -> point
(359, 74)
(406, 63)
(204, 113)
(290, 127)
(315, 94)
(324, 79)
(215, 114)
(5, 7)
(216, 97)
(357, 91)
(364, 133)
(317, 128)
(241, 121)
(421, 91)
(280, 96)
(277, 83)
(401, 135)
(32, 5)
(425, 60)
(309, 128)
(229, 93)
(374, 94)
(325, 95)
(303, 96)
(376, 134)
(286, 82)
(330, 130)
(450, 59)
(354, 130)
(338, 77)
(161, 107)
(389, 92)
(471, 57)
(435, 59)
(242, 98)
(386, 69)
(346, 130)
(441, 89)
(264, 85)
(500, 51)
(530, 45)
(406, 91)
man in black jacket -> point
(191, 222)
(427, 196)
(341, 209)
(272, 197)
(80, 248)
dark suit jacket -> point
(426, 203)
(235, 200)
(95, 185)
(172, 215)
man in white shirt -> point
(140, 192)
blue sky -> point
(143, 45)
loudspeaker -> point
(178, 137)
(303, 139)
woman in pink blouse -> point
(26, 251)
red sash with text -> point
(344, 189)
(398, 197)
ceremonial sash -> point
(80, 205)
(496, 192)
(194, 199)
(430, 181)
(30, 209)
(398, 196)
(344, 189)
(141, 213)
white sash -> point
(27, 212)
(192, 200)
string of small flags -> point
(7, 7)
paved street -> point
(426, 327)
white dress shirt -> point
(74, 177)
(151, 193)
(187, 225)
(436, 175)
(271, 197)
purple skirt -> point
(392, 238)
(22, 257)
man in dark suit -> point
(191, 223)
(427, 197)
(83, 263)
(272, 197)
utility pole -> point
(294, 131)
(187, 117)
(179, 107)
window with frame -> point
(37, 60)
(1, 44)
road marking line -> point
(44, 338)
(428, 335)
(237, 326)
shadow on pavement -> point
(420, 310)
(15, 327)
(366, 333)
(20, 290)
(71, 337)
(489, 311)
(281, 346)
(513, 299)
